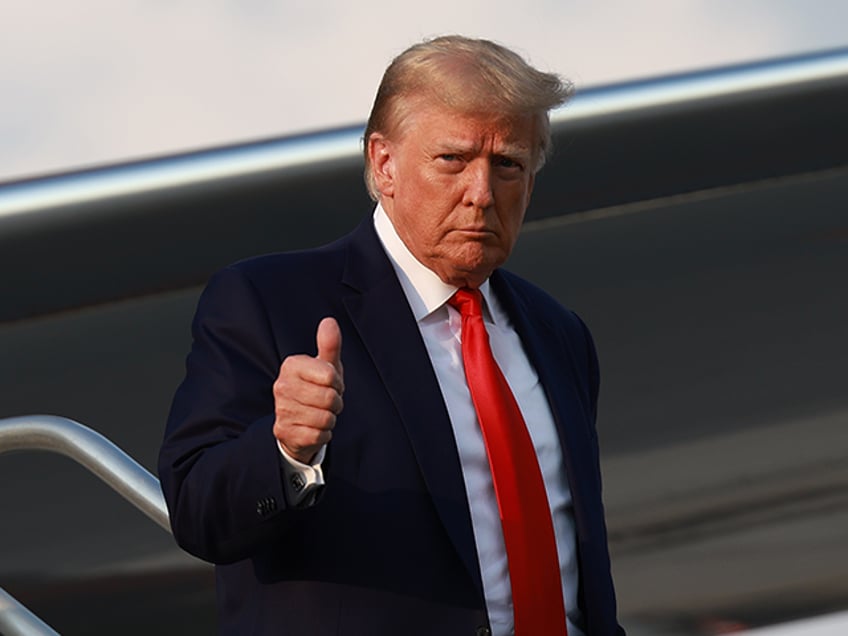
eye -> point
(450, 162)
(508, 163)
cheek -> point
(426, 235)
(509, 238)
(512, 216)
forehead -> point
(428, 121)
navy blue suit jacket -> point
(389, 547)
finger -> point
(329, 341)
(301, 376)
(300, 416)
(302, 432)
(308, 394)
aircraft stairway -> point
(101, 457)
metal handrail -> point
(17, 620)
(100, 456)
(94, 451)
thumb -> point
(329, 341)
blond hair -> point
(470, 76)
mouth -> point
(475, 232)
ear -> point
(381, 156)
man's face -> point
(456, 187)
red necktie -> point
(523, 504)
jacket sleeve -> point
(219, 465)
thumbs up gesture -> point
(308, 395)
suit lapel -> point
(381, 315)
(554, 363)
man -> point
(368, 489)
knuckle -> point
(283, 409)
(278, 388)
(283, 385)
(282, 425)
(328, 397)
(328, 420)
(287, 365)
(326, 375)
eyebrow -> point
(460, 148)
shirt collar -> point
(424, 290)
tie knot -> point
(469, 302)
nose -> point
(478, 186)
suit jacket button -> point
(266, 506)
(483, 631)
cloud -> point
(95, 81)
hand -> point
(308, 395)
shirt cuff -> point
(302, 481)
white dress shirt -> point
(441, 327)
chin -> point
(473, 276)
(471, 266)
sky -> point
(93, 82)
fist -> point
(308, 395)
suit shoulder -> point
(256, 266)
(541, 302)
(268, 271)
